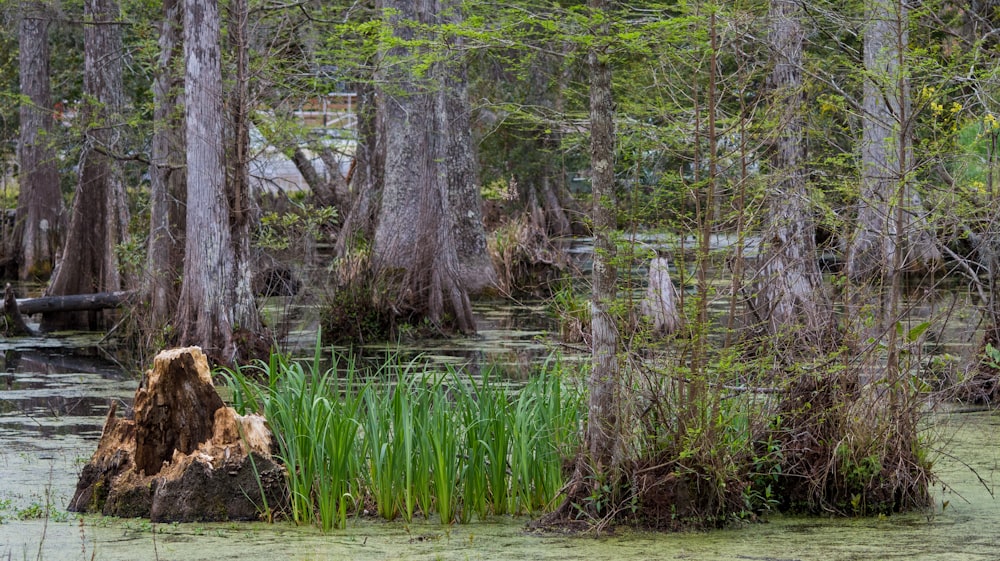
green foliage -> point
(9, 92)
(914, 332)
(38, 509)
(992, 356)
(572, 309)
(300, 223)
(412, 440)
(499, 190)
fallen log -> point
(14, 309)
(73, 302)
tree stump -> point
(166, 417)
(184, 456)
(660, 303)
(14, 320)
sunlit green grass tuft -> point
(409, 440)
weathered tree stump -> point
(15, 322)
(174, 409)
(660, 303)
(184, 456)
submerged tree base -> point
(712, 454)
(849, 449)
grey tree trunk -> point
(244, 211)
(545, 181)
(407, 112)
(461, 170)
(788, 301)
(99, 216)
(209, 309)
(887, 156)
(603, 432)
(366, 181)
(165, 259)
(429, 224)
(39, 207)
(599, 460)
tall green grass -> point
(408, 440)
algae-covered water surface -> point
(53, 403)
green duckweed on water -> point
(961, 526)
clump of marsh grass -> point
(404, 439)
(315, 423)
(527, 260)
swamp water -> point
(54, 395)
(52, 407)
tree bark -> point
(73, 302)
(14, 323)
(244, 210)
(551, 183)
(212, 302)
(789, 299)
(323, 189)
(407, 112)
(165, 259)
(429, 224)
(99, 216)
(367, 180)
(600, 459)
(39, 210)
(887, 156)
(602, 438)
(475, 268)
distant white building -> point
(332, 120)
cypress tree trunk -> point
(244, 211)
(366, 181)
(39, 206)
(429, 232)
(887, 156)
(461, 170)
(165, 259)
(407, 114)
(789, 300)
(600, 459)
(602, 436)
(99, 216)
(213, 300)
